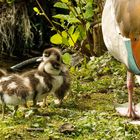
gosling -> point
(34, 85)
(55, 54)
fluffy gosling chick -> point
(45, 79)
(55, 54)
(34, 85)
(13, 91)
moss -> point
(89, 107)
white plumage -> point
(121, 33)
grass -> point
(93, 116)
(89, 107)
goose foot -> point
(131, 114)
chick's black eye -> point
(56, 66)
(46, 54)
(58, 57)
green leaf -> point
(60, 5)
(65, 1)
(71, 30)
(36, 10)
(73, 20)
(64, 34)
(61, 16)
(65, 41)
(73, 38)
(67, 58)
(82, 31)
(90, 1)
(87, 25)
(89, 11)
(56, 39)
(65, 38)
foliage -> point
(102, 72)
(67, 58)
(77, 23)
(89, 107)
(106, 75)
(74, 28)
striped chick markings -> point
(32, 85)
(55, 54)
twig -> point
(47, 17)
(35, 129)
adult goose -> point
(121, 33)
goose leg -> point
(130, 85)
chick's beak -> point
(39, 59)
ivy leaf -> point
(56, 39)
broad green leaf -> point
(61, 16)
(36, 10)
(82, 31)
(65, 1)
(89, 11)
(78, 10)
(56, 39)
(87, 25)
(65, 41)
(65, 38)
(73, 20)
(67, 58)
(64, 34)
(60, 5)
(73, 38)
(71, 30)
(71, 42)
(72, 13)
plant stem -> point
(47, 17)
